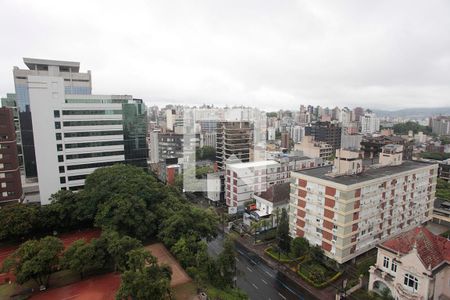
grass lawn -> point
(229, 294)
(275, 255)
(186, 291)
(317, 274)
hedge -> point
(315, 284)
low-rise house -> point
(413, 265)
(268, 205)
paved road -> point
(257, 279)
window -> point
(62, 179)
(386, 262)
(60, 158)
(57, 125)
(58, 136)
(394, 266)
(59, 147)
(61, 169)
(56, 113)
(411, 282)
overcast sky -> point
(271, 54)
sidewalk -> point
(327, 293)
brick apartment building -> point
(349, 208)
(10, 182)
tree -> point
(127, 215)
(118, 246)
(144, 278)
(17, 221)
(299, 247)
(283, 232)
(205, 153)
(316, 253)
(104, 183)
(227, 263)
(35, 259)
(67, 210)
(82, 257)
(191, 221)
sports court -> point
(179, 276)
(67, 239)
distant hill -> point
(413, 112)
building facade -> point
(440, 125)
(10, 182)
(369, 123)
(75, 134)
(349, 208)
(10, 102)
(234, 139)
(74, 82)
(327, 132)
(413, 265)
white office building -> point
(369, 123)
(75, 134)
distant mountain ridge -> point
(413, 112)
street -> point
(257, 279)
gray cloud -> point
(273, 54)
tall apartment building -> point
(242, 180)
(74, 82)
(440, 125)
(10, 102)
(297, 133)
(233, 139)
(351, 208)
(285, 140)
(74, 133)
(10, 183)
(327, 132)
(369, 123)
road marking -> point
(257, 287)
(268, 274)
(264, 281)
(249, 269)
(282, 296)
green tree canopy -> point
(283, 232)
(104, 183)
(144, 279)
(127, 215)
(35, 260)
(82, 257)
(17, 221)
(191, 221)
(118, 246)
(299, 247)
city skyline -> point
(275, 56)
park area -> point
(67, 285)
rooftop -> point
(277, 193)
(35, 63)
(253, 164)
(366, 175)
(432, 249)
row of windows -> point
(94, 154)
(93, 165)
(92, 123)
(77, 177)
(92, 112)
(118, 101)
(92, 133)
(93, 144)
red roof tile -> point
(432, 249)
